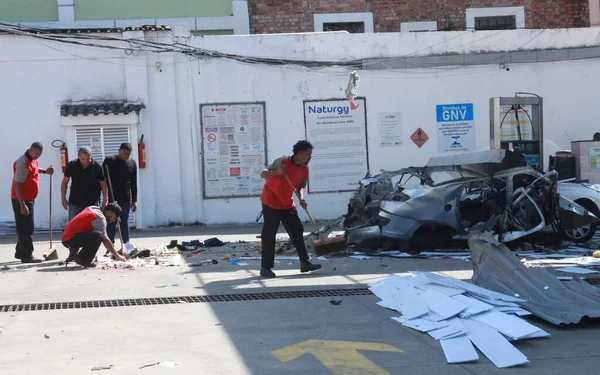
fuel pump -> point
(516, 124)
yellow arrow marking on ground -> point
(340, 357)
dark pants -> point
(75, 210)
(294, 228)
(89, 243)
(24, 248)
(111, 229)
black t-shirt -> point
(85, 183)
(123, 176)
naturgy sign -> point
(320, 109)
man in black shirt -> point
(87, 181)
(123, 177)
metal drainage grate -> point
(189, 299)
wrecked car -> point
(454, 193)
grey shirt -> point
(99, 224)
(21, 170)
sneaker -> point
(266, 272)
(308, 267)
(31, 260)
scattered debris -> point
(559, 302)
(100, 368)
(236, 262)
(161, 364)
(334, 302)
(459, 314)
(212, 261)
(213, 242)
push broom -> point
(323, 245)
(51, 254)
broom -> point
(322, 244)
(51, 253)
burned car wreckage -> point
(451, 194)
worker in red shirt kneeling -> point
(278, 206)
(86, 231)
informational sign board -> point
(455, 127)
(390, 129)
(516, 123)
(337, 128)
(594, 158)
(233, 148)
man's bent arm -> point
(104, 188)
(109, 245)
(63, 188)
(19, 192)
(268, 174)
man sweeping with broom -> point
(278, 206)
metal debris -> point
(496, 268)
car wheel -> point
(584, 234)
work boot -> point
(266, 272)
(308, 267)
(31, 260)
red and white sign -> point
(419, 137)
(211, 138)
(224, 137)
(235, 172)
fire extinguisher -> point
(142, 153)
(64, 153)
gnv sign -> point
(455, 127)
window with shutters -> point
(104, 141)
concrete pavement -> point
(266, 336)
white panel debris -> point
(459, 315)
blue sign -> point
(456, 128)
(454, 112)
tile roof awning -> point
(101, 30)
(103, 108)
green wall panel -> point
(28, 10)
(132, 9)
(212, 32)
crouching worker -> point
(86, 231)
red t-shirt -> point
(277, 192)
(90, 219)
(26, 172)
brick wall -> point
(289, 16)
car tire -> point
(591, 232)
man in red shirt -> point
(23, 192)
(278, 206)
(87, 231)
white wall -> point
(40, 78)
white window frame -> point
(102, 128)
(366, 18)
(518, 12)
(408, 27)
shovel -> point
(51, 254)
(322, 245)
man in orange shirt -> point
(87, 231)
(278, 206)
(23, 192)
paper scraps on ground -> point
(460, 315)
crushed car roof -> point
(485, 162)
